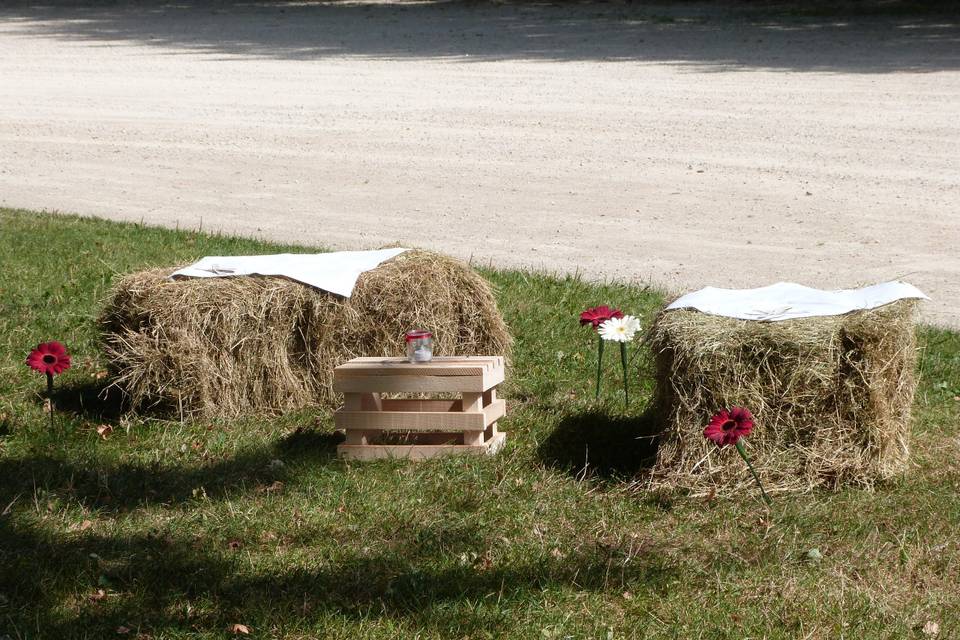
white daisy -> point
(620, 329)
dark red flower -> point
(50, 358)
(728, 426)
(598, 315)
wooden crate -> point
(427, 427)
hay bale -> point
(225, 347)
(831, 396)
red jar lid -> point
(418, 334)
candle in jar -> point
(419, 345)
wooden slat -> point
(407, 420)
(417, 404)
(493, 378)
(409, 384)
(412, 420)
(420, 421)
(436, 361)
(454, 366)
(494, 411)
(416, 451)
(397, 375)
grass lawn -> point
(170, 530)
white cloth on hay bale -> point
(788, 301)
(336, 272)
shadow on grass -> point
(95, 401)
(595, 444)
(154, 583)
(125, 486)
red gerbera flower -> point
(729, 425)
(50, 358)
(598, 315)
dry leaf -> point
(931, 629)
(483, 563)
(240, 629)
(99, 375)
(97, 595)
(104, 431)
(83, 526)
(274, 487)
(122, 630)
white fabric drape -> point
(787, 300)
(335, 272)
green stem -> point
(50, 396)
(599, 363)
(623, 361)
(743, 454)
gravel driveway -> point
(681, 147)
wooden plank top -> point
(442, 374)
(476, 366)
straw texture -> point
(225, 347)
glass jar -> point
(419, 346)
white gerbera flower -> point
(620, 329)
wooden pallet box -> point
(417, 428)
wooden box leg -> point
(489, 397)
(472, 403)
(361, 402)
(361, 436)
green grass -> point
(173, 530)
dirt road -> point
(680, 147)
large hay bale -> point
(831, 396)
(224, 347)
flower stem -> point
(623, 361)
(50, 396)
(743, 454)
(599, 363)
